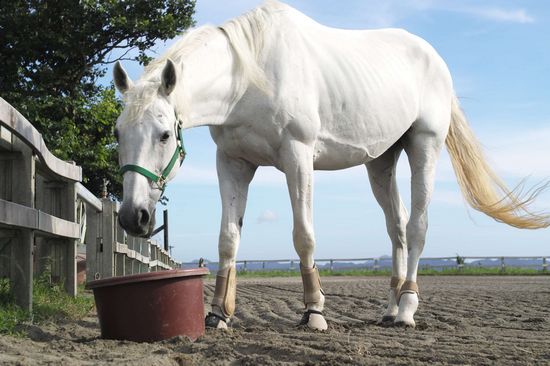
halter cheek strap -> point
(160, 180)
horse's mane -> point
(246, 35)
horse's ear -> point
(122, 81)
(169, 77)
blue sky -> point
(499, 55)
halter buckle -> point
(161, 182)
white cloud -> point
(502, 15)
(267, 216)
(392, 12)
(520, 154)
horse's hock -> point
(43, 220)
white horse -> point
(279, 89)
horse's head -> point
(149, 146)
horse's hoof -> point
(405, 324)
(387, 321)
(317, 322)
(215, 321)
(314, 320)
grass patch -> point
(481, 271)
(10, 314)
(467, 271)
(50, 303)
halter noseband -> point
(160, 180)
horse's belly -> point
(348, 140)
(244, 142)
(332, 153)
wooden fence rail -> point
(110, 251)
(384, 263)
(45, 215)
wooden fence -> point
(109, 250)
(384, 263)
(45, 215)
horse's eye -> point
(165, 136)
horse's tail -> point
(481, 187)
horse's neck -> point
(209, 82)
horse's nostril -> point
(143, 217)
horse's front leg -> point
(297, 165)
(234, 177)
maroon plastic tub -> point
(152, 306)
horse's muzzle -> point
(137, 220)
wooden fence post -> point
(57, 255)
(108, 237)
(69, 213)
(23, 192)
(93, 244)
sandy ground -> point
(461, 320)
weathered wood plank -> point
(23, 194)
(5, 138)
(16, 215)
(69, 213)
(21, 268)
(22, 128)
(160, 264)
(88, 197)
(130, 253)
(92, 242)
(6, 238)
(108, 237)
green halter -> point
(160, 180)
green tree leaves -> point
(52, 54)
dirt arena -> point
(461, 320)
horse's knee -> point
(304, 240)
(229, 240)
(416, 231)
(398, 234)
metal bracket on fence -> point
(163, 227)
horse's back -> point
(350, 93)
(363, 87)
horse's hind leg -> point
(422, 143)
(297, 159)
(234, 177)
(384, 187)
